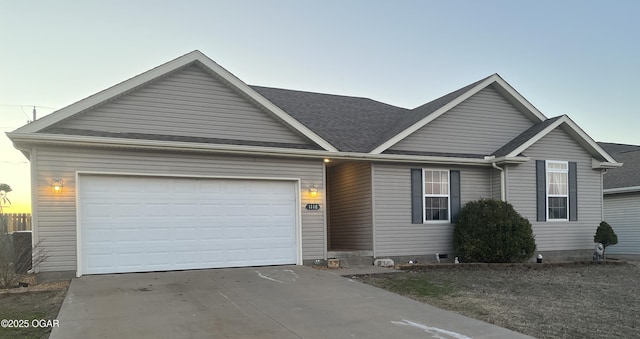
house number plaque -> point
(313, 207)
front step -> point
(352, 258)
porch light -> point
(327, 160)
(313, 191)
(56, 185)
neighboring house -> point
(622, 198)
(185, 166)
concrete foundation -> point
(567, 255)
(55, 276)
(352, 258)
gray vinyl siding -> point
(395, 235)
(479, 125)
(495, 184)
(56, 214)
(558, 235)
(622, 212)
(349, 199)
(190, 103)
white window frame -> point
(556, 170)
(425, 195)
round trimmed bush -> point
(490, 230)
(605, 235)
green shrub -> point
(490, 230)
(605, 235)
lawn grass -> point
(29, 306)
(416, 286)
(546, 301)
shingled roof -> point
(332, 123)
(614, 148)
(627, 175)
(351, 124)
(421, 112)
(524, 137)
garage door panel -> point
(184, 187)
(100, 261)
(156, 211)
(134, 224)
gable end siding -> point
(558, 235)
(479, 125)
(190, 103)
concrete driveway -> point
(258, 302)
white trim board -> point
(56, 139)
(575, 129)
(155, 73)
(495, 78)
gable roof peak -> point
(536, 132)
(162, 70)
(422, 115)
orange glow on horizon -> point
(16, 208)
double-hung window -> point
(436, 195)
(557, 190)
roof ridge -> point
(618, 148)
(629, 151)
(617, 143)
(462, 90)
(351, 123)
(329, 94)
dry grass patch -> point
(37, 301)
(571, 301)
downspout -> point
(502, 180)
(602, 173)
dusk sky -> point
(580, 58)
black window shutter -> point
(416, 196)
(455, 194)
(573, 191)
(541, 190)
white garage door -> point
(139, 224)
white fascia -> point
(535, 138)
(161, 70)
(109, 93)
(25, 139)
(519, 98)
(595, 164)
(509, 160)
(578, 131)
(495, 78)
(262, 101)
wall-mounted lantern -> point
(57, 185)
(313, 191)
